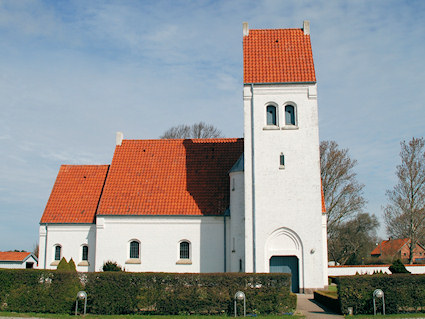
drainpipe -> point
(253, 179)
(45, 250)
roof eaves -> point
(158, 215)
(93, 223)
(279, 83)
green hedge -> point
(402, 292)
(24, 290)
(147, 293)
(327, 300)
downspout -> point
(253, 179)
(45, 250)
(225, 259)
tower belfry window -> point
(271, 115)
(289, 115)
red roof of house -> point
(278, 56)
(170, 177)
(13, 255)
(389, 247)
(76, 194)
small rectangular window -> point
(282, 161)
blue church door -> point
(288, 265)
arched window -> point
(271, 115)
(134, 249)
(85, 255)
(58, 252)
(184, 250)
(289, 115)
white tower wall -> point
(288, 212)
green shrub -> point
(403, 293)
(111, 266)
(398, 268)
(71, 265)
(63, 265)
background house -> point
(391, 249)
(17, 259)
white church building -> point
(251, 204)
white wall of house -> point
(236, 238)
(159, 238)
(71, 238)
(288, 218)
(370, 269)
(19, 264)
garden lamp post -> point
(378, 293)
(240, 296)
(80, 296)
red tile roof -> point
(278, 56)
(170, 177)
(389, 247)
(13, 255)
(76, 194)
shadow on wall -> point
(207, 168)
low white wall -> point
(370, 269)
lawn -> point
(44, 315)
(401, 315)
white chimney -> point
(119, 138)
(306, 27)
(245, 29)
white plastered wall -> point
(288, 197)
(159, 238)
(236, 239)
(71, 237)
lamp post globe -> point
(81, 295)
(240, 295)
(378, 293)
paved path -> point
(310, 309)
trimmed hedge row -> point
(24, 290)
(147, 293)
(327, 300)
(402, 293)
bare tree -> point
(35, 249)
(352, 241)
(405, 211)
(343, 194)
(197, 130)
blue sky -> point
(73, 73)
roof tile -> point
(278, 56)
(170, 177)
(76, 194)
(13, 255)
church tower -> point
(285, 223)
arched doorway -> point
(287, 265)
(284, 254)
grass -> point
(399, 315)
(88, 316)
